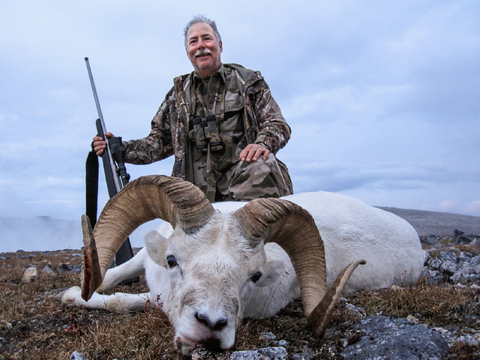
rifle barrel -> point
(116, 180)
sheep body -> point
(216, 266)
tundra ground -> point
(33, 324)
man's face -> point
(203, 49)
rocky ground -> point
(439, 318)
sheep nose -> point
(216, 325)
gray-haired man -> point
(220, 122)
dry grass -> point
(33, 324)
(432, 303)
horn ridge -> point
(149, 197)
(294, 229)
(322, 313)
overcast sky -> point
(383, 97)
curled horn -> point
(149, 197)
(294, 229)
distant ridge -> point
(45, 233)
(437, 223)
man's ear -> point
(156, 247)
(221, 46)
(272, 271)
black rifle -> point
(114, 167)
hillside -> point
(45, 233)
(437, 223)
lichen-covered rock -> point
(271, 353)
(395, 339)
(469, 271)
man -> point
(221, 124)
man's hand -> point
(99, 144)
(253, 151)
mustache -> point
(203, 52)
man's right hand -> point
(99, 144)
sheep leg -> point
(128, 270)
(117, 303)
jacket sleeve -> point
(158, 144)
(271, 127)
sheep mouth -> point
(186, 345)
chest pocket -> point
(234, 107)
(233, 101)
(234, 104)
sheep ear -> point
(271, 272)
(156, 246)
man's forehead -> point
(200, 29)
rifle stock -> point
(111, 177)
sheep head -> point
(213, 259)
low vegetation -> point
(33, 324)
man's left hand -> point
(252, 152)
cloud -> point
(474, 207)
(340, 176)
(448, 206)
(382, 98)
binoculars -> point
(205, 131)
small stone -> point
(76, 269)
(282, 343)
(47, 271)
(76, 356)
(413, 319)
(267, 336)
(30, 275)
(65, 267)
(468, 340)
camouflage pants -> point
(252, 180)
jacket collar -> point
(220, 72)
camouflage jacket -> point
(263, 121)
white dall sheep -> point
(218, 264)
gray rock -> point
(468, 272)
(355, 309)
(306, 355)
(63, 267)
(47, 271)
(453, 268)
(30, 275)
(271, 353)
(76, 356)
(395, 339)
(475, 242)
(465, 256)
(430, 239)
(267, 336)
(77, 269)
(282, 343)
(468, 340)
(433, 277)
(462, 239)
(448, 262)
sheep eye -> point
(171, 261)
(256, 276)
